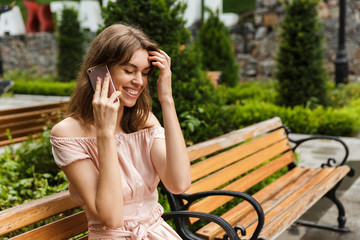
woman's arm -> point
(170, 157)
(100, 190)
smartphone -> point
(100, 71)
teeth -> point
(132, 92)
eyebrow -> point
(134, 66)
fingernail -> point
(98, 79)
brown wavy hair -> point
(116, 44)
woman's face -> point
(131, 78)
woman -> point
(115, 152)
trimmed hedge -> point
(44, 88)
(216, 120)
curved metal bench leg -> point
(341, 217)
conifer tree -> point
(215, 45)
(70, 41)
(300, 70)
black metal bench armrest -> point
(190, 198)
(187, 234)
(346, 148)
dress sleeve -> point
(67, 151)
(159, 132)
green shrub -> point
(301, 74)
(341, 95)
(215, 44)
(243, 91)
(44, 88)
(29, 172)
(70, 40)
(28, 82)
(214, 120)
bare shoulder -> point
(70, 127)
(152, 120)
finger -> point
(156, 53)
(114, 98)
(97, 87)
(164, 53)
(105, 87)
(157, 58)
(159, 65)
(167, 57)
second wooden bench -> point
(23, 122)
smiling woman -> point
(114, 153)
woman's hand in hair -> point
(105, 109)
(160, 59)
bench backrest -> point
(69, 221)
(25, 121)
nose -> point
(138, 79)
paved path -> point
(20, 100)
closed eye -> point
(128, 72)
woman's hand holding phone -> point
(105, 108)
(100, 71)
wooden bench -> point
(224, 168)
(238, 161)
(28, 121)
(58, 217)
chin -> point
(127, 104)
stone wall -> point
(255, 41)
(35, 51)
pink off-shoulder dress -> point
(142, 212)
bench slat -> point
(16, 140)
(233, 171)
(311, 176)
(62, 229)
(22, 132)
(300, 201)
(27, 115)
(18, 125)
(274, 190)
(208, 147)
(28, 122)
(221, 160)
(34, 211)
(243, 184)
(297, 206)
(269, 200)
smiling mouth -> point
(131, 91)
